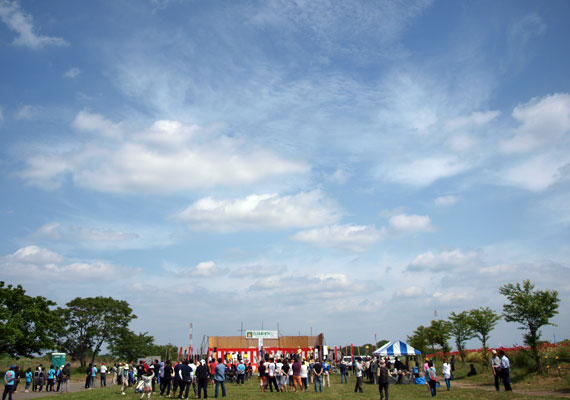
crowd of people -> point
(278, 374)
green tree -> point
(532, 309)
(92, 321)
(128, 346)
(439, 333)
(27, 324)
(419, 339)
(483, 321)
(461, 330)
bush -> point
(523, 360)
(474, 357)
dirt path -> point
(74, 386)
(548, 393)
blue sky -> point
(348, 167)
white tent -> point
(397, 348)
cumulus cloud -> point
(410, 223)
(425, 171)
(72, 73)
(23, 25)
(165, 158)
(542, 121)
(349, 237)
(36, 263)
(446, 201)
(264, 211)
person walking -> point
(147, 379)
(358, 372)
(446, 371)
(220, 377)
(383, 380)
(29, 375)
(431, 378)
(506, 371)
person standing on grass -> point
(326, 373)
(147, 379)
(431, 378)
(65, 376)
(9, 383)
(358, 371)
(496, 367)
(88, 372)
(202, 378)
(343, 373)
(506, 371)
(383, 379)
(446, 371)
(29, 375)
(296, 368)
(241, 373)
(103, 375)
(318, 375)
(220, 377)
(94, 372)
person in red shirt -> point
(212, 366)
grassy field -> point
(337, 391)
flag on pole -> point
(352, 351)
(180, 353)
(335, 353)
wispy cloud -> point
(21, 23)
(349, 237)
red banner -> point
(352, 351)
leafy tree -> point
(483, 321)
(440, 332)
(461, 330)
(419, 339)
(27, 325)
(90, 322)
(532, 309)
(128, 346)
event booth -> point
(397, 348)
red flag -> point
(352, 351)
(335, 353)
(180, 353)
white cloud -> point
(461, 142)
(349, 237)
(259, 270)
(423, 172)
(201, 270)
(72, 73)
(23, 25)
(446, 260)
(27, 112)
(166, 158)
(36, 264)
(86, 121)
(475, 119)
(535, 174)
(446, 201)
(35, 255)
(265, 211)
(406, 224)
(49, 230)
(450, 297)
(409, 292)
(542, 121)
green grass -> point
(337, 391)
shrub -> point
(475, 357)
(523, 360)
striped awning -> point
(396, 348)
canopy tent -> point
(397, 348)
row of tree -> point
(31, 325)
(531, 308)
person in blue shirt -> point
(50, 379)
(29, 375)
(326, 373)
(94, 371)
(10, 382)
(220, 377)
(506, 371)
(241, 373)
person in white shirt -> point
(358, 370)
(506, 371)
(446, 371)
(103, 375)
